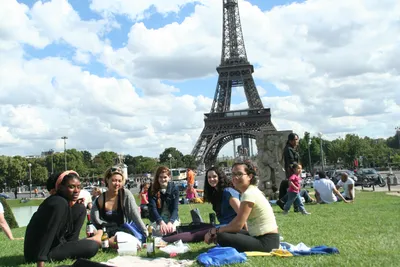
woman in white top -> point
(254, 209)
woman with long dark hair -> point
(219, 191)
(163, 203)
(225, 201)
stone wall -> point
(270, 164)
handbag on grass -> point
(135, 231)
(195, 213)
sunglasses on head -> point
(116, 169)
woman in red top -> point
(144, 200)
(144, 194)
(294, 191)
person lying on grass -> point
(254, 208)
(115, 207)
(53, 231)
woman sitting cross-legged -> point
(225, 200)
(115, 207)
(254, 208)
(163, 203)
(53, 231)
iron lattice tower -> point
(221, 124)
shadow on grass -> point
(12, 260)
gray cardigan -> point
(131, 212)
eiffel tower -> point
(222, 125)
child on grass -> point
(294, 191)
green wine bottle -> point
(150, 243)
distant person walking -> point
(190, 176)
(16, 192)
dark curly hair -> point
(214, 195)
(51, 181)
(249, 169)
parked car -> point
(4, 195)
(308, 181)
(335, 175)
(369, 176)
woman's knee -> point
(224, 239)
(92, 248)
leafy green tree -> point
(335, 151)
(176, 157)
(189, 161)
(39, 174)
(104, 160)
(17, 170)
(87, 158)
(130, 162)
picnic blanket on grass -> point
(135, 261)
(302, 250)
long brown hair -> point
(155, 187)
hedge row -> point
(8, 214)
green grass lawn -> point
(367, 233)
(13, 203)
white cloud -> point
(138, 9)
(337, 60)
(59, 22)
(16, 26)
(81, 57)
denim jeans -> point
(293, 197)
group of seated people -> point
(246, 218)
(326, 191)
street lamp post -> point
(170, 157)
(309, 154)
(322, 151)
(52, 160)
(30, 180)
(65, 150)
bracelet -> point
(211, 234)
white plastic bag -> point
(127, 244)
(177, 247)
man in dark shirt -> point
(290, 156)
(53, 232)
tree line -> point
(341, 152)
(14, 171)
